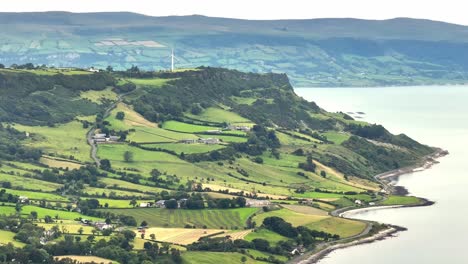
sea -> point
(435, 116)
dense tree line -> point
(36, 99)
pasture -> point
(196, 257)
(38, 195)
(335, 225)
(266, 234)
(29, 183)
(186, 148)
(336, 137)
(401, 200)
(187, 128)
(99, 97)
(150, 82)
(67, 139)
(69, 227)
(8, 237)
(211, 218)
(218, 115)
(42, 212)
(59, 163)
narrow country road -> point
(91, 132)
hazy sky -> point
(453, 11)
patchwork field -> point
(334, 225)
(211, 218)
(181, 236)
(86, 259)
(56, 163)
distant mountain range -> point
(314, 52)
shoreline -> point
(387, 179)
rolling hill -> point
(315, 52)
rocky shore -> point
(387, 180)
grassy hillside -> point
(194, 161)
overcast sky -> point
(454, 11)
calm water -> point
(434, 115)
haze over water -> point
(433, 115)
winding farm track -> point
(89, 135)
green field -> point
(145, 161)
(114, 183)
(336, 137)
(8, 237)
(29, 183)
(38, 195)
(401, 200)
(188, 128)
(99, 96)
(152, 82)
(186, 148)
(194, 257)
(340, 226)
(214, 114)
(42, 212)
(212, 218)
(263, 233)
(334, 225)
(98, 192)
(112, 203)
(66, 139)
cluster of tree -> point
(225, 203)
(118, 248)
(225, 244)
(7, 197)
(301, 234)
(309, 165)
(368, 131)
(23, 96)
(260, 139)
(11, 149)
(380, 159)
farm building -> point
(216, 131)
(209, 141)
(239, 128)
(160, 204)
(23, 199)
(113, 138)
(358, 202)
(257, 203)
(188, 141)
(146, 204)
(102, 225)
(96, 136)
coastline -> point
(387, 179)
